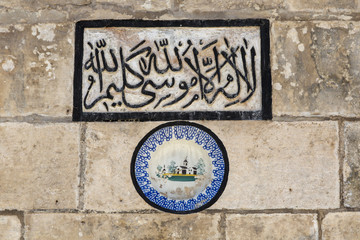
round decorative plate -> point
(180, 167)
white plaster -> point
(301, 47)
(48, 65)
(344, 17)
(293, 35)
(8, 65)
(19, 27)
(277, 86)
(4, 30)
(287, 70)
(53, 46)
(319, 80)
(304, 30)
(147, 5)
(315, 227)
(348, 98)
(44, 32)
(33, 31)
(324, 25)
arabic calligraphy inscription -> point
(171, 69)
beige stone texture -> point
(97, 12)
(70, 14)
(140, 5)
(320, 5)
(39, 164)
(215, 6)
(315, 68)
(109, 149)
(341, 226)
(36, 70)
(11, 70)
(10, 228)
(260, 5)
(39, 4)
(352, 165)
(280, 164)
(272, 164)
(122, 226)
(271, 226)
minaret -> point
(185, 162)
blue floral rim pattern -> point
(189, 132)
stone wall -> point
(295, 177)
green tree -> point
(172, 167)
(159, 168)
(200, 167)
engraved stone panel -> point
(162, 70)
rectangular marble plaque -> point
(169, 70)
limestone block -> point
(48, 69)
(36, 70)
(271, 226)
(315, 68)
(213, 5)
(140, 5)
(10, 228)
(341, 226)
(11, 70)
(352, 165)
(279, 164)
(38, 4)
(109, 148)
(121, 226)
(316, 6)
(96, 13)
(272, 164)
(39, 164)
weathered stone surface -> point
(11, 70)
(39, 78)
(10, 228)
(213, 5)
(122, 226)
(39, 4)
(96, 12)
(109, 148)
(258, 5)
(315, 68)
(272, 165)
(261, 5)
(315, 6)
(271, 226)
(38, 165)
(280, 164)
(140, 5)
(352, 165)
(341, 226)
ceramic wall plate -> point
(180, 167)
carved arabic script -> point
(124, 70)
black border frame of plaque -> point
(264, 114)
(177, 123)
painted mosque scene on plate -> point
(180, 167)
